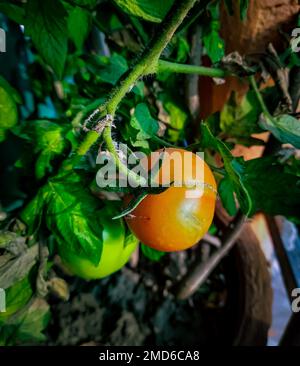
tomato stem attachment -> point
(120, 165)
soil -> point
(136, 306)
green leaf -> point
(46, 23)
(233, 167)
(213, 43)
(183, 49)
(153, 11)
(226, 192)
(79, 24)
(273, 189)
(132, 205)
(32, 214)
(213, 230)
(28, 326)
(10, 90)
(152, 254)
(47, 139)
(178, 116)
(284, 127)
(74, 217)
(110, 69)
(109, 22)
(13, 12)
(144, 122)
(141, 194)
(241, 120)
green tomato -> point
(116, 251)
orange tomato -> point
(179, 217)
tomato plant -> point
(81, 77)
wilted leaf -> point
(59, 288)
(17, 296)
(28, 326)
(12, 242)
(236, 64)
(16, 269)
(6, 238)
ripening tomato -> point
(177, 218)
(116, 251)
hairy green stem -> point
(90, 138)
(190, 69)
(145, 64)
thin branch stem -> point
(190, 69)
(259, 97)
(163, 142)
(192, 80)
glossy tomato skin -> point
(180, 216)
(116, 251)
